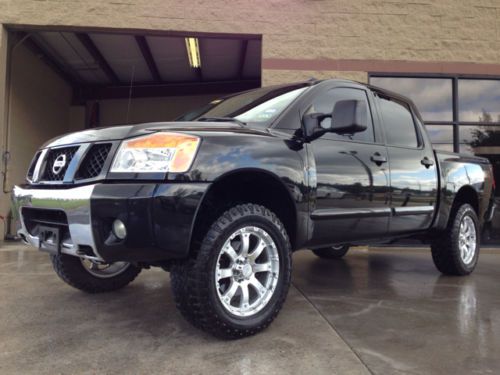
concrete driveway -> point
(382, 311)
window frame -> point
(409, 107)
(454, 78)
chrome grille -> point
(89, 161)
(48, 172)
(31, 169)
(93, 161)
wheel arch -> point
(450, 202)
(467, 194)
(239, 186)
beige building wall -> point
(4, 201)
(430, 31)
(38, 110)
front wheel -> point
(334, 252)
(237, 282)
(93, 277)
(456, 250)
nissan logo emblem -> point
(59, 164)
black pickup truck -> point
(224, 195)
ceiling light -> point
(193, 51)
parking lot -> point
(382, 311)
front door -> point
(352, 178)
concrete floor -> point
(382, 312)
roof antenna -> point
(130, 93)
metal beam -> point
(456, 130)
(243, 56)
(130, 31)
(98, 57)
(148, 57)
(66, 74)
(172, 89)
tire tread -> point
(445, 252)
(190, 279)
(71, 271)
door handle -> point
(378, 159)
(426, 162)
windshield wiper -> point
(222, 119)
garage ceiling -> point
(105, 65)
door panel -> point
(352, 192)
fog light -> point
(119, 229)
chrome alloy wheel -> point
(247, 271)
(104, 270)
(467, 241)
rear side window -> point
(324, 103)
(398, 123)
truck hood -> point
(122, 132)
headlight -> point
(157, 152)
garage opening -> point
(62, 80)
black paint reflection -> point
(412, 185)
(348, 179)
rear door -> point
(352, 174)
(413, 173)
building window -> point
(460, 113)
(433, 96)
(478, 100)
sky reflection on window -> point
(432, 96)
(479, 100)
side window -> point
(398, 123)
(325, 103)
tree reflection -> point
(485, 135)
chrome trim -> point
(416, 210)
(344, 213)
(39, 164)
(491, 212)
(75, 202)
(76, 162)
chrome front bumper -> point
(75, 202)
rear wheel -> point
(456, 250)
(93, 277)
(333, 252)
(237, 282)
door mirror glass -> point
(313, 125)
(349, 117)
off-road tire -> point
(193, 283)
(331, 252)
(445, 249)
(71, 270)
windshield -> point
(259, 107)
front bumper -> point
(159, 219)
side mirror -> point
(349, 117)
(312, 126)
